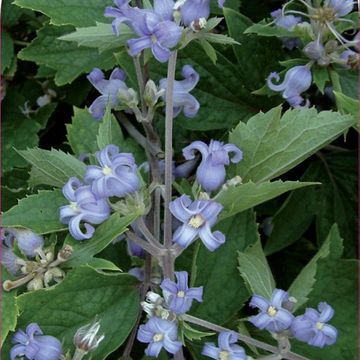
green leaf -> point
(53, 167)
(8, 302)
(219, 39)
(336, 284)
(245, 196)
(209, 50)
(255, 270)
(272, 145)
(39, 212)
(192, 334)
(302, 286)
(224, 291)
(10, 197)
(267, 30)
(84, 127)
(100, 37)
(69, 12)
(347, 104)
(321, 77)
(67, 58)
(104, 234)
(7, 51)
(77, 300)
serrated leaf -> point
(347, 104)
(100, 37)
(82, 295)
(212, 23)
(255, 270)
(267, 30)
(219, 39)
(8, 303)
(192, 334)
(104, 234)
(209, 50)
(69, 12)
(53, 167)
(7, 50)
(39, 212)
(67, 58)
(238, 198)
(224, 291)
(302, 286)
(84, 127)
(272, 144)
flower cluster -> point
(326, 45)
(311, 327)
(161, 330)
(116, 176)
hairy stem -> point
(151, 249)
(141, 82)
(148, 235)
(243, 338)
(168, 151)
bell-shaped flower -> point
(194, 10)
(182, 99)
(272, 316)
(116, 175)
(28, 242)
(226, 349)
(211, 172)
(312, 328)
(84, 207)
(297, 80)
(197, 217)
(178, 295)
(159, 333)
(155, 28)
(109, 90)
(340, 7)
(34, 345)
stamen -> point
(180, 294)
(158, 337)
(106, 170)
(272, 311)
(224, 355)
(319, 325)
(196, 221)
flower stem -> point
(168, 151)
(79, 354)
(243, 338)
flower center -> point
(272, 311)
(106, 170)
(319, 325)
(181, 294)
(158, 337)
(325, 14)
(73, 205)
(196, 221)
(224, 355)
(154, 39)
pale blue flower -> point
(193, 10)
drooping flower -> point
(312, 328)
(84, 207)
(183, 100)
(116, 175)
(341, 7)
(11, 262)
(193, 10)
(159, 333)
(155, 28)
(197, 217)
(211, 171)
(297, 80)
(314, 50)
(34, 345)
(28, 242)
(227, 349)
(179, 296)
(109, 90)
(272, 316)
(287, 22)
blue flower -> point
(227, 348)
(34, 345)
(197, 217)
(84, 206)
(211, 171)
(109, 90)
(155, 28)
(193, 10)
(28, 242)
(349, 58)
(341, 7)
(116, 175)
(314, 50)
(179, 296)
(272, 317)
(312, 328)
(159, 333)
(297, 80)
(183, 101)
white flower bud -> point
(36, 283)
(86, 338)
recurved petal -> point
(164, 8)
(97, 108)
(278, 297)
(169, 286)
(189, 151)
(237, 153)
(326, 312)
(182, 280)
(179, 208)
(226, 338)
(259, 302)
(210, 350)
(160, 52)
(70, 187)
(118, 74)
(17, 351)
(75, 231)
(195, 293)
(172, 346)
(331, 334)
(211, 240)
(185, 235)
(138, 45)
(154, 349)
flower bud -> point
(55, 274)
(86, 338)
(129, 97)
(65, 253)
(314, 50)
(152, 94)
(36, 283)
(154, 298)
(28, 242)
